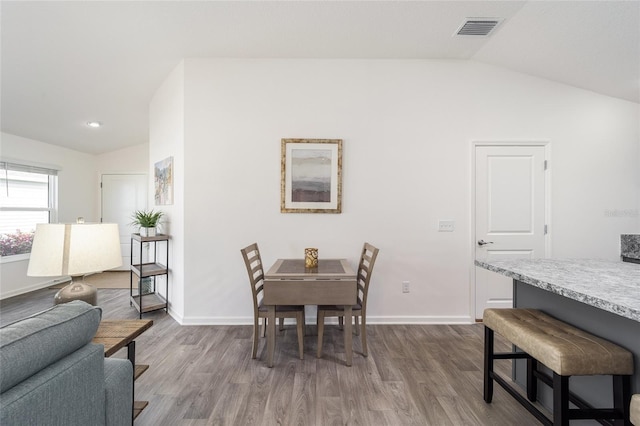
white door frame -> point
(472, 206)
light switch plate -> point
(446, 226)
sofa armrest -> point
(30, 345)
(118, 380)
(67, 392)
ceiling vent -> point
(478, 26)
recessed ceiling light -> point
(94, 124)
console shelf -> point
(147, 301)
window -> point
(28, 195)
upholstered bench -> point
(565, 350)
(635, 410)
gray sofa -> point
(51, 373)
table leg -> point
(271, 334)
(348, 343)
(131, 355)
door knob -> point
(483, 242)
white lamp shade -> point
(74, 249)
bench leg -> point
(488, 364)
(532, 381)
(622, 398)
(560, 400)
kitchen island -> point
(601, 297)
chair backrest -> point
(365, 268)
(253, 262)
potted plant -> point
(148, 222)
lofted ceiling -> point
(64, 63)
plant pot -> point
(147, 232)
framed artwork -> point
(311, 176)
(163, 178)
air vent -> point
(478, 26)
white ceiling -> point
(65, 63)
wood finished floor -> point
(204, 375)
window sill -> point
(15, 258)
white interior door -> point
(510, 215)
(121, 196)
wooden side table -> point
(115, 335)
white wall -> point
(408, 128)
(134, 159)
(166, 139)
(78, 195)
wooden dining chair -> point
(253, 262)
(359, 310)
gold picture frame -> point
(311, 176)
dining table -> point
(290, 282)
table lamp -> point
(74, 249)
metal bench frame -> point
(619, 415)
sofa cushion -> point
(32, 344)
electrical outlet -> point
(446, 226)
(405, 287)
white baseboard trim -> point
(33, 287)
(372, 320)
(418, 320)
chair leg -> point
(365, 351)
(320, 323)
(357, 328)
(281, 323)
(341, 322)
(304, 324)
(254, 344)
(264, 327)
(300, 330)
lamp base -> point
(77, 290)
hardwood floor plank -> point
(428, 404)
(355, 408)
(302, 410)
(206, 389)
(329, 411)
(229, 404)
(327, 384)
(255, 400)
(405, 411)
(204, 375)
(279, 403)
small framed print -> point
(163, 178)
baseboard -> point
(373, 320)
(418, 320)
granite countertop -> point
(609, 285)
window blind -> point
(5, 165)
